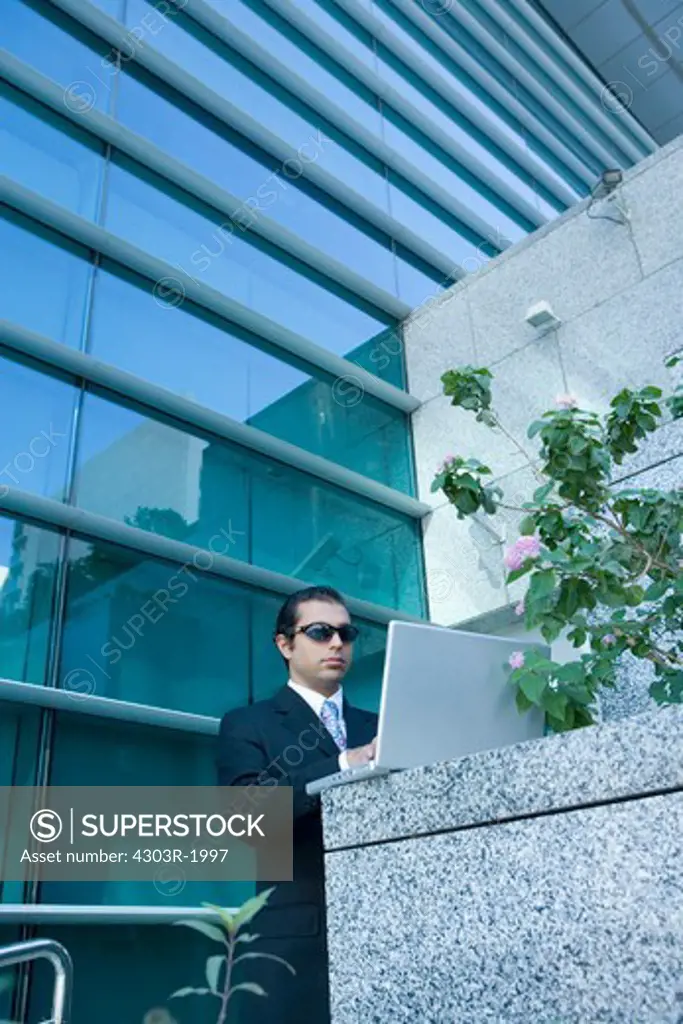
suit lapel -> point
(299, 717)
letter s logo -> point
(45, 826)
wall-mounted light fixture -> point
(607, 192)
(542, 317)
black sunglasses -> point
(322, 631)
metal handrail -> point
(59, 957)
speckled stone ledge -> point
(572, 918)
(618, 760)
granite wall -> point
(617, 289)
(536, 883)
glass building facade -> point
(215, 216)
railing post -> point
(46, 949)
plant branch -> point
(227, 988)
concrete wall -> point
(618, 291)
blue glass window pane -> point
(422, 155)
(44, 266)
(395, 24)
(200, 357)
(295, 50)
(34, 443)
(292, 48)
(337, 24)
(36, 32)
(28, 557)
(200, 141)
(417, 283)
(440, 229)
(167, 223)
(240, 82)
(219, 496)
(46, 154)
(471, 138)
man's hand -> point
(359, 756)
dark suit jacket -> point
(282, 739)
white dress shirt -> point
(316, 701)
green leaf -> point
(265, 956)
(213, 969)
(657, 590)
(527, 527)
(225, 916)
(212, 931)
(541, 493)
(246, 937)
(542, 584)
(522, 701)
(554, 702)
(532, 686)
(191, 992)
(673, 361)
(516, 574)
(248, 986)
(535, 427)
(251, 908)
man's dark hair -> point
(289, 611)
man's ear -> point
(284, 645)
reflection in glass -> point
(28, 563)
(200, 357)
(217, 495)
(168, 635)
(34, 443)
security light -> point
(611, 179)
(541, 315)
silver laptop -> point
(445, 693)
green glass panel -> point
(124, 972)
(97, 752)
(235, 502)
(28, 558)
(168, 635)
(19, 735)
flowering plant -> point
(603, 564)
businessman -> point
(306, 731)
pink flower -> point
(520, 609)
(609, 639)
(523, 548)
(566, 401)
(516, 660)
